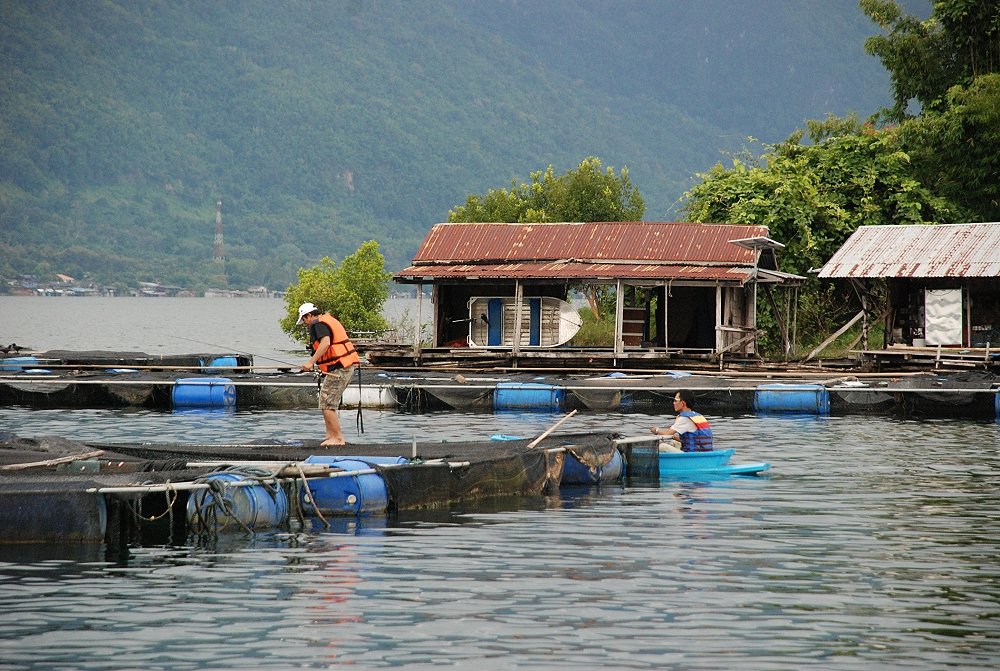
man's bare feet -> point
(332, 443)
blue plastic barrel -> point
(203, 392)
(255, 506)
(806, 399)
(348, 494)
(576, 472)
(16, 364)
(527, 396)
(219, 362)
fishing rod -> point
(359, 419)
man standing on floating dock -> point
(690, 432)
(335, 357)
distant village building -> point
(680, 289)
(943, 282)
(154, 289)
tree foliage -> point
(813, 196)
(954, 149)
(936, 167)
(584, 194)
(354, 292)
(950, 66)
(925, 59)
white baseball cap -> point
(305, 309)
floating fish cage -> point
(642, 461)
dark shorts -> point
(332, 389)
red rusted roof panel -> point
(654, 242)
(945, 250)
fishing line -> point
(233, 349)
(359, 421)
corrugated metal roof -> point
(653, 242)
(574, 270)
(944, 250)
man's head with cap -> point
(305, 309)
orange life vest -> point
(699, 440)
(341, 353)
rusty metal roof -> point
(640, 242)
(573, 271)
(944, 250)
(652, 251)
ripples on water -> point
(873, 544)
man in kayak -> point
(335, 357)
(690, 432)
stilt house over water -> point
(505, 292)
(942, 282)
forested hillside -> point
(324, 124)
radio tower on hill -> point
(219, 257)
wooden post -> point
(619, 318)
(416, 324)
(782, 324)
(719, 335)
(786, 341)
(795, 320)
(666, 318)
(518, 301)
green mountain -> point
(324, 124)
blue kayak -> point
(714, 463)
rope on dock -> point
(309, 497)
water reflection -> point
(873, 544)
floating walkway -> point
(210, 384)
(54, 490)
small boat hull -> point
(705, 464)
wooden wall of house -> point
(980, 306)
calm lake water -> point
(167, 325)
(873, 544)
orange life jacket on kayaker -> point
(341, 353)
